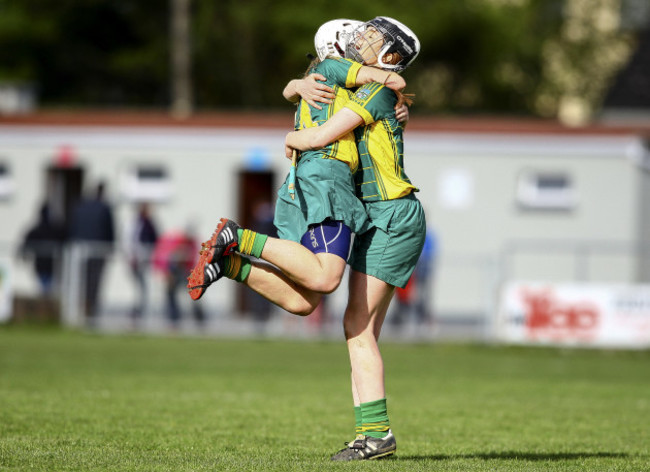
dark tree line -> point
(477, 55)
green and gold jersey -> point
(380, 143)
(341, 75)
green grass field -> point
(83, 402)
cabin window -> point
(146, 182)
(546, 190)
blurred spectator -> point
(403, 302)
(92, 222)
(174, 256)
(44, 242)
(141, 240)
(416, 297)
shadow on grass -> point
(520, 455)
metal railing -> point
(464, 291)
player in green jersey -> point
(385, 256)
(309, 258)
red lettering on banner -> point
(548, 317)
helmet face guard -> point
(383, 36)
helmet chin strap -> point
(387, 59)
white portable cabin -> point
(506, 199)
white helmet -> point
(331, 39)
(397, 38)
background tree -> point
(545, 58)
(580, 59)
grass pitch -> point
(81, 402)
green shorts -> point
(390, 250)
(324, 190)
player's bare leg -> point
(320, 272)
(279, 289)
(368, 303)
(369, 299)
(260, 276)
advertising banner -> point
(574, 314)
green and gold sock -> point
(236, 267)
(358, 421)
(375, 418)
(250, 242)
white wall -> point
(203, 164)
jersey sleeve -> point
(341, 72)
(373, 102)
